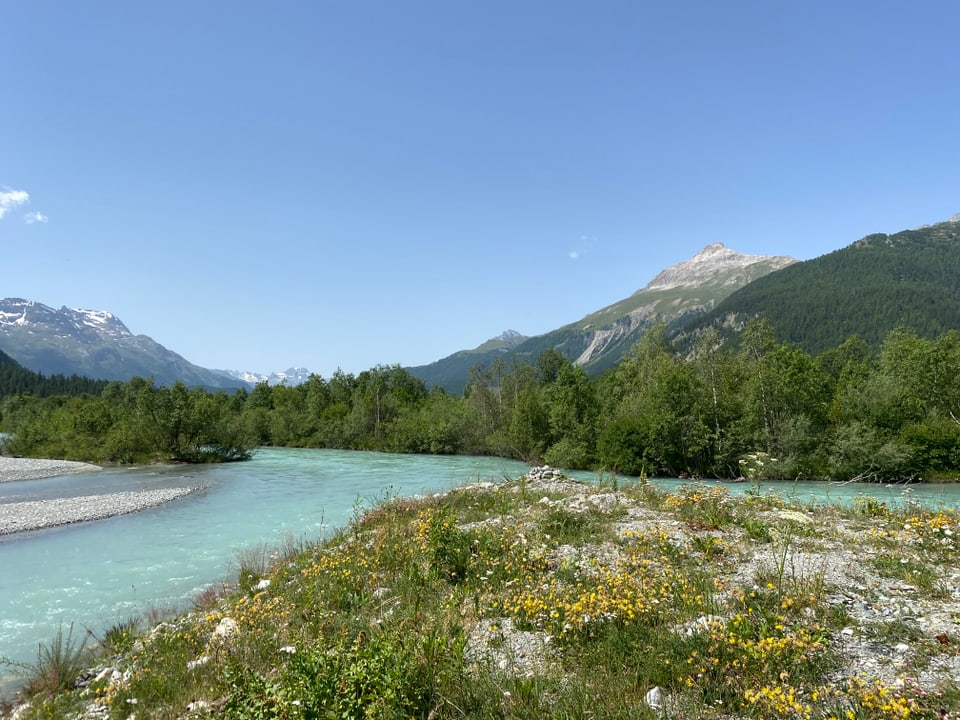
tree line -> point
(764, 408)
(16, 379)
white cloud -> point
(10, 199)
(583, 245)
(35, 217)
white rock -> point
(226, 628)
(654, 697)
(199, 662)
(262, 585)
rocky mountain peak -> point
(32, 315)
(716, 263)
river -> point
(95, 574)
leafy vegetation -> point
(128, 422)
(542, 598)
(764, 409)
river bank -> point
(543, 596)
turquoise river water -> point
(95, 574)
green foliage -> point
(621, 446)
(843, 415)
(130, 422)
(451, 547)
(366, 679)
(17, 380)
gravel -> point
(12, 469)
(39, 514)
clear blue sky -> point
(341, 184)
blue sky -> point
(343, 184)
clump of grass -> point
(252, 565)
(702, 507)
(119, 637)
(59, 663)
(909, 570)
(565, 526)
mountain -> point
(451, 372)
(289, 377)
(94, 344)
(602, 338)
(910, 278)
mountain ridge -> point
(600, 339)
(95, 344)
(879, 282)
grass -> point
(517, 602)
(59, 663)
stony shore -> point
(40, 514)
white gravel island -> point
(39, 514)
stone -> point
(225, 629)
(199, 662)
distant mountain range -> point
(290, 376)
(97, 345)
(601, 339)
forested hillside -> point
(16, 380)
(909, 279)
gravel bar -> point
(39, 514)
(12, 469)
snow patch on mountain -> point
(289, 377)
(34, 316)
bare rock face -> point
(718, 262)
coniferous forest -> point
(910, 279)
(764, 408)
